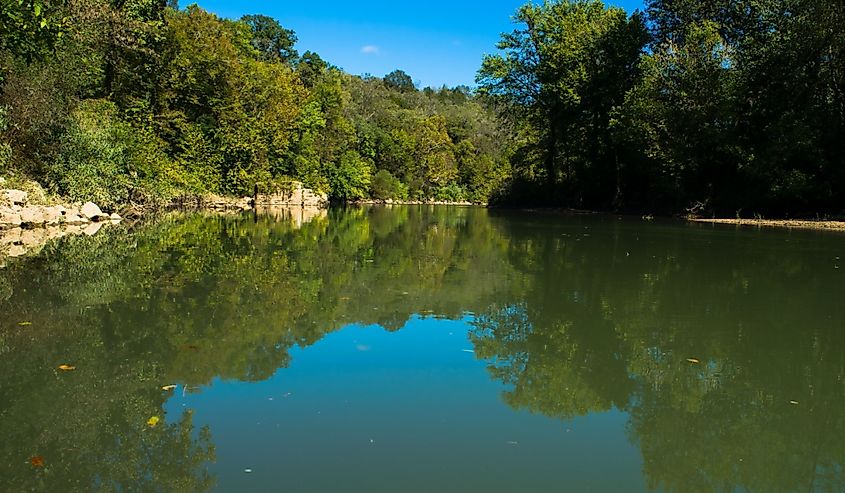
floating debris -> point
(248, 470)
(66, 367)
(513, 443)
(794, 403)
(694, 361)
(36, 461)
(468, 351)
(24, 324)
(168, 388)
(153, 421)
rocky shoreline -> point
(29, 220)
(778, 223)
(415, 202)
(26, 227)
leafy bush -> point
(350, 178)
(5, 148)
(450, 193)
(107, 161)
(386, 186)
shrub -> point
(386, 186)
(450, 193)
(107, 161)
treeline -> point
(724, 107)
(137, 101)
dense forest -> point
(724, 107)
(135, 100)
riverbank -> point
(778, 223)
(416, 202)
(30, 217)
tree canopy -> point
(722, 108)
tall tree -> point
(562, 73)
(273, 42)
(399, 80)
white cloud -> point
(370, 50)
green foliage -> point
(451, 193)
(220, 106)
(562, 75)
(399, 81)
(29, 29)
(273, 42)
(5, 148)
(734, 105)
(386, 186)
(351, 177)
(106, 160)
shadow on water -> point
(725, 348)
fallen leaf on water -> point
(67, 367)
(36, 461)
(168, 387)
(694, 361)
(152, 422)
(24, 324)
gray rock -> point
(90, 211)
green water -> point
(425, 350)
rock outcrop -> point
(295, 195)
(16, 211)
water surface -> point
(423, 349)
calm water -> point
(425, 350)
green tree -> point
(273, 42)
(400, 81)
(562, 74)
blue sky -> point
(437, 42)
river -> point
(424, 349)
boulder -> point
(74, 219)
(90, 211)
(9, 218)
(52, 215)
(92, 229)
(53, 232)
(15, 197)
(32, 238)
(32, 215)
(10, 236)
(16, 251)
